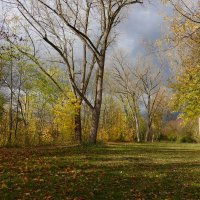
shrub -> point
(187, 139)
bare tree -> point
(128, 90)
(152, 93)
(89, 21)
(189, 9)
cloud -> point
(144, 23)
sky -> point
(144, 24)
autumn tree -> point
(127, 88)
(152, 93)
(188, 9)
(184, 55)
(57, 21)
(30, 87)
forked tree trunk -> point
(78, 127)
(97, 104)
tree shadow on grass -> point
(112, 172)
(121, 174)
(144, 181)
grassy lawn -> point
(115, 171)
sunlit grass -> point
(114, 171)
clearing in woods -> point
(113, 171)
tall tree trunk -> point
(94, 126)
(148, 132)
(97, 104)
(135, 117)
(148, 118)
(77, 119)
(10, 127)
(17, 121)
(11, 100)
(137, 126)
(153, 137)
(137, 129)
(18, 100)
(78, 126)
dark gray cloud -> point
(144, 23)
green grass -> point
(115, 171)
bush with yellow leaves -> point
(64, 112)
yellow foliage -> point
(64, 112)
(116, 129)
(46, 136)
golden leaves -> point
(64, 112)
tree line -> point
(55, 87)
